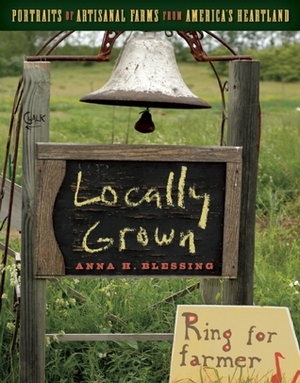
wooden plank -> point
(176, 295)
(16, 218)
(211, 290)
(111, 337)
(231, 219)
(33, 291)
(244, 130)
(51, 177)
(137, 152)
(11, 252)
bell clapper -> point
(145, 123)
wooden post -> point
(211, 291)
(33, 291)
(244, 130)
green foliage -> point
(278, 179)
(280, 63)
(11, 66)
(277, 265)
(115, 304)
(15, 46)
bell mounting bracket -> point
(193, 39)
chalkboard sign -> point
(120, 210)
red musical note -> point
(277, 378)
(294, 380)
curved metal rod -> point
(15, 107)
(17, 104)
(218, 38)
(67, 34)
(224, 115)
(193, 40)
(104, 54)
(48, 42)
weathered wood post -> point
(33, 291)
(244, 130)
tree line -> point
(278, 51)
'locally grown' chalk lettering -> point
(143, 218)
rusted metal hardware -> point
(108, 41)
(193, 40)
(107, 44)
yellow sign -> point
(221, 344)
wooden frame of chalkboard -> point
(133, 210)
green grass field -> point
(126, 305)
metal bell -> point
(146, 75)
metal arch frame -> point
(193, 39)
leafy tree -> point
(14, 46)
(280, 63)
